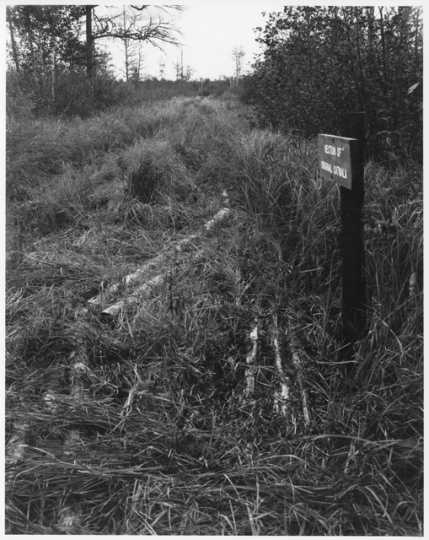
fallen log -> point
(251, 359)
(140, 274)
(281, 398)
(222, 214)
(143, 273)
(412, 282)
(140, 293)
(77, 393)
(17, 444)
(297, 364)
(143, 292)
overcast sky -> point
(209, 32)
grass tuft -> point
(165, 440)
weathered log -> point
(141, 292)
(222, 214)
(141, 273)
(77, 393)
(297, 364)
(17, 444)
(412, 284)
(251, 359)
(281, 398)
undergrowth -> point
(168, 443)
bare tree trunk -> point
(362, 91)
(416, 40)
(383, 50)
(125, 41)
(30, 36)
(53, 77)
(139, 62)
(12, 40)
(127, 63)
(237, 55)
(89, 43)
(371, 18)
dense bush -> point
(320, 63)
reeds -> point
(166, 443)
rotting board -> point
(337, 158)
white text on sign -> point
(334, 150)
(334, 169)
(336, 156)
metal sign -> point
(337, 159)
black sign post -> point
(352, 245)
(341, 161)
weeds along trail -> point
(170, 374)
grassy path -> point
(170, 413)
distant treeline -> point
(320, 63)
(75, 95)
(55, 66)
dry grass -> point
(167, 441)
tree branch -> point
(161, 32)
(150, 30)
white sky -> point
(209, 32)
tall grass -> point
(169, 444)
(40, 148)
(74, 95)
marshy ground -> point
(143, 422)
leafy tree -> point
(44, 42)
(320, 63)
(52, 47)
(39, 31)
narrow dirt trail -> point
(137, 291)
(121, 304)
(169, 320)
(171, 363)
